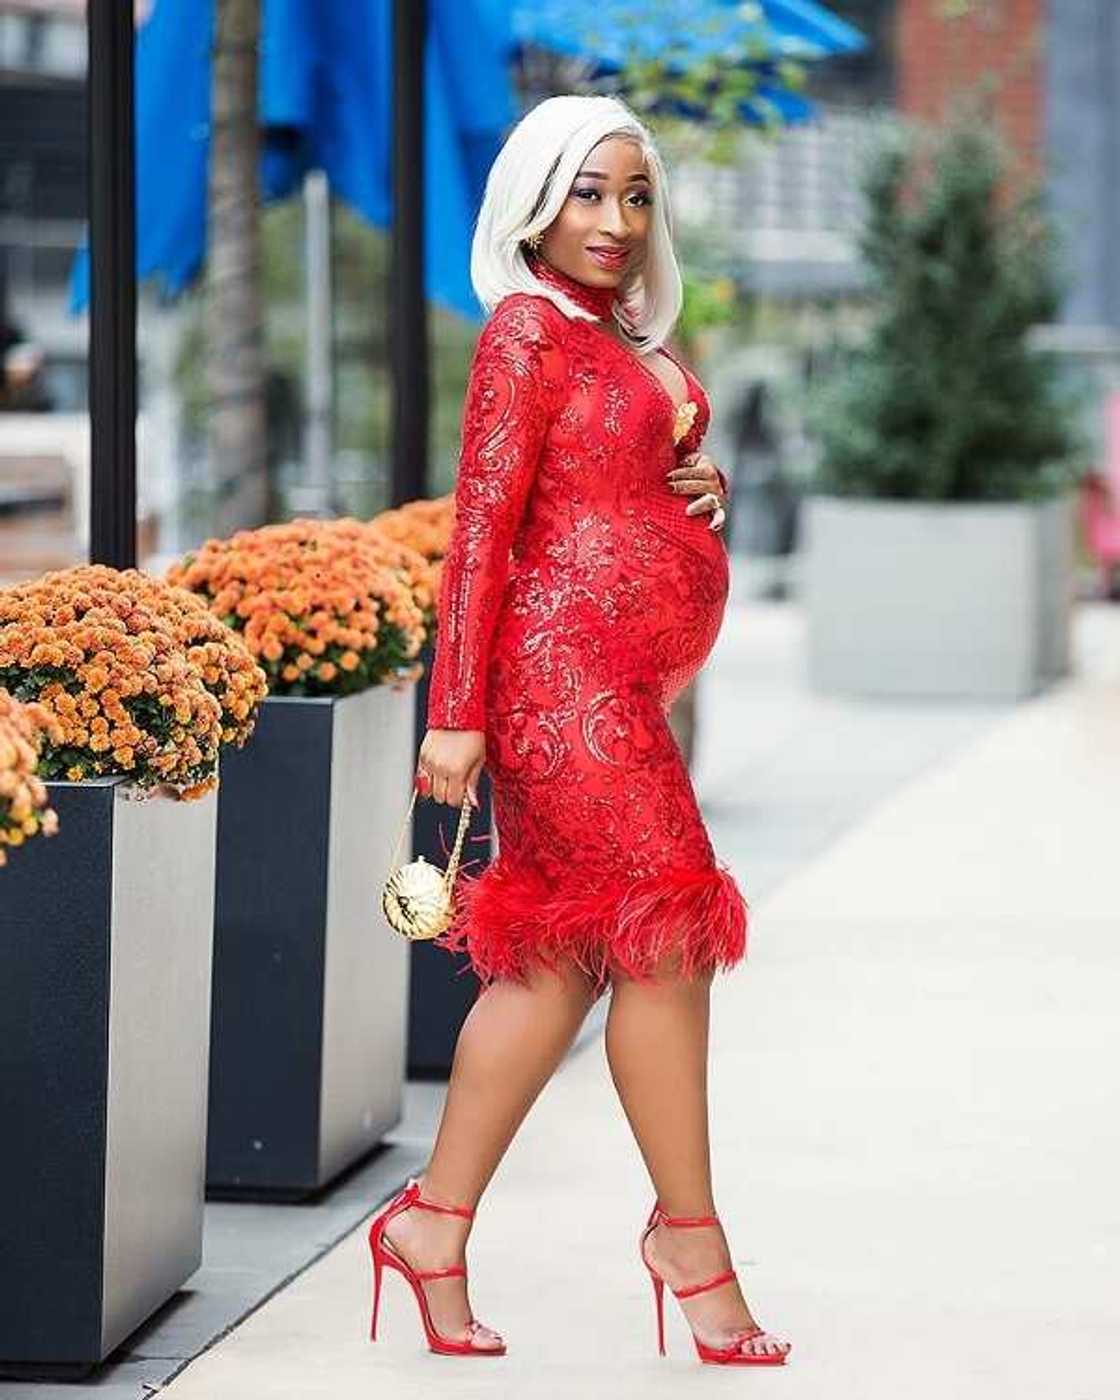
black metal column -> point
(112, 325)
(408, 321)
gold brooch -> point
(686, 413)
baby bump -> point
(568, 700)
(688, 565)
(664, 518)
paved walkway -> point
(913, 1083)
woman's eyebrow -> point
(602, 175)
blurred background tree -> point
(947, 399)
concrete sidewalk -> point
(913, 1082)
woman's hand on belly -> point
(453, 758)
(698, 475)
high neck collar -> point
(598, 300)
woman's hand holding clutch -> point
(449, 763)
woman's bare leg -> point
(511, 1042)
(657, 1048)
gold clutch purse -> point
(416, 898)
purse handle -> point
(456, 851)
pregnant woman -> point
(584, 587)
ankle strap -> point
(684, 1221)
(456, 1271)
(417, 1200)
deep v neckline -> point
(675, 407)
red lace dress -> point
(577, 600)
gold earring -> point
(534, 240)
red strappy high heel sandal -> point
(384, 1255)
(731, 1355)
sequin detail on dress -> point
(577, 601)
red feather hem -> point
(506, 922)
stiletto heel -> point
(659, 1304)
(376, 1295)
(730, 1355)
(384, 1255)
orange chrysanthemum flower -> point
(23, 794)
(327, 607)
(143, 680)
(423, 525)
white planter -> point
(967, 599)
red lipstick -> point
(608, 257)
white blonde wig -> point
(528, 183)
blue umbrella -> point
(605, 29)
(812, 23)
(607, 32)
(325, 93)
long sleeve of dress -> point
(511, 392)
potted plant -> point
(940, 522)
(309, 984)
(105, 953)
(442, 986)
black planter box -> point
(310, 984)
(105, 949)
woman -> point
(556, 669)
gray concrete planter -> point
(310, 986)
(105, 954)
(938, 599)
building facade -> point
(1049, 71)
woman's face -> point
(608, 208)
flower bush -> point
(23, 795)
(327, 607)
(425, 526)
(142, 681)
(398, 552)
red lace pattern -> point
(578, 599)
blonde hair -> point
(530, 180)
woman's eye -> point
(642, 198)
